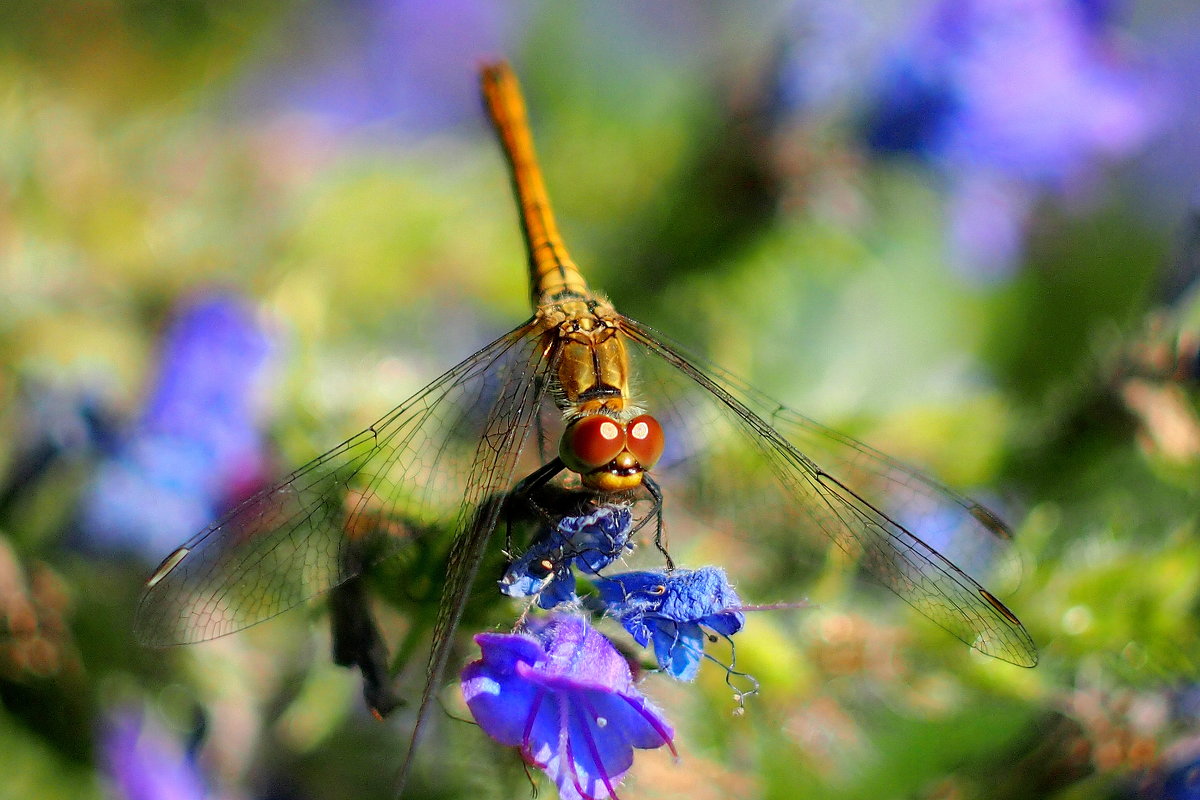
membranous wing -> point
(896, 522)
(408, 475)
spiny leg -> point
(522, 494)
(656, 495)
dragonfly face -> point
(611, 455)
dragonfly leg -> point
(538, 478)
(358, 643)
(522, 494)
(656, 495)
(538, 425)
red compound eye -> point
(646, 440)
(591, 443)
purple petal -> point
(627, 712)
(576, 649)
(501, 706)
(498, 695)
(145, 763)
(599, 759)
(542, 737)
(641, 724)
(564, 695)
(504, 651)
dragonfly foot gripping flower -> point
(590, 541)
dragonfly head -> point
(611, 455)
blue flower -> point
(1010, 99)
(671, 609)
(563, 695)
(590, 542)
(145, 763)
(196, 447)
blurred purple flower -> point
(196, 448)
(1010, 99)
(1169, 187)
(831, 43)
(563, 695)
(145, 763)
(672, 609)
(406, 63)
(590, 542)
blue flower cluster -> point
(376, 63)
(590, 543)
(558, 689)
(671, 610)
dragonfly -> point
(584, 401)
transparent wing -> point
(728, 443)
(960, 529)
(418, 471)
(505, 434)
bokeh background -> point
(966, 231)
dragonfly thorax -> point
(583, 338)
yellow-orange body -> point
(592, 372)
